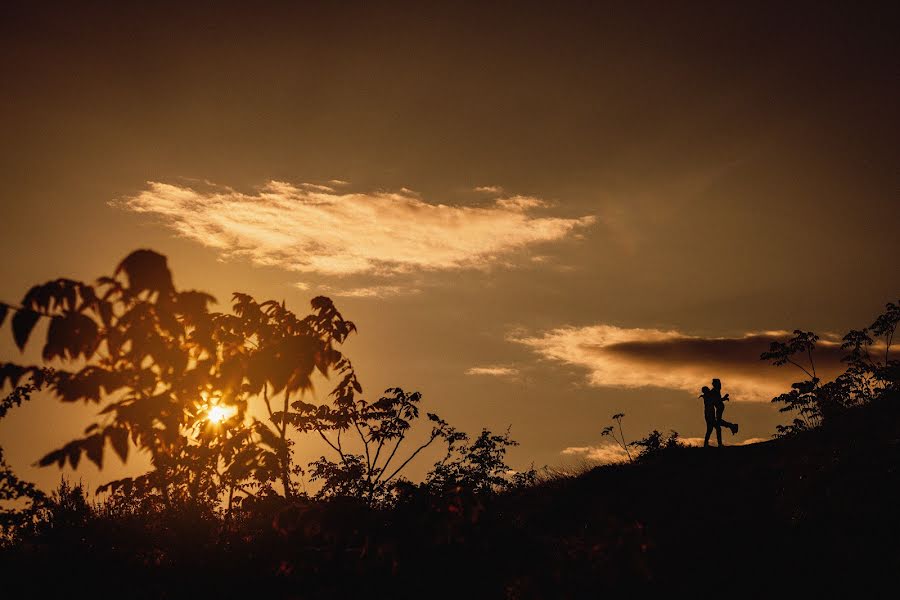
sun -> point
(219, 413)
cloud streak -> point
(637, 358)
(608, 453)
(603, 454)
(493, 371)
(313, 228)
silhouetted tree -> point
(379, 428)
(25, 501)
(160, 365)
(478, 466)
(180, 382)
(610, 430)
(656, 442)
(868, 376)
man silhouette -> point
(720, 406)
(713, 408)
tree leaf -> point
(93, 446)
(22, 323)
(118, 438)
(147, 270)
(70, 336)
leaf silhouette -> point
(22, 323)
(118, 438)
(70, 336)
(93, 446)
(146, 271)
(11, 372)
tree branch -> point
(802, 368)
(327, 441)
(388, 461)
(412, 456)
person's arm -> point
(725, 397)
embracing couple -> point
(713, 407)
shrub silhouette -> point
(656, 442)
(867, 377)
(610, 430)
(221, 514)
(181, 382)
(27, 501)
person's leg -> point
(720, 410)
(719, 435)
(709, 428)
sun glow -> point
(220, 413)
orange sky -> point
(529, 211)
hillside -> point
(811, 512)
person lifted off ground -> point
(713, 408)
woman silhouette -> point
(713, 408)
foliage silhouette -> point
(25, 500)
(656, 442)
(160, 365)
(866, 378)
(824, 497)
(610, 430)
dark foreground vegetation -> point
(807, 512)
(220, 513)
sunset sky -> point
(538, 214)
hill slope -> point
(814, 510)
(817, 511)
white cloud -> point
(755, 440)
(521, 203)
(312, 228)
(698, 441)
(489, 189)
(494, 371)
(613, 453)
(604, 453)
(371, 291)
(637, 358)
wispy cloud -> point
(636, 358)
(312, 228)
(610, 452)
(367, 291)
(370, 291)
(493, 371)
(604, 453)
(489, 189)
(698, 441)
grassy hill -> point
(818, 511)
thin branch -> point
(377, 452)
(266, 398)
(624, 445)
(327, 441)
(888, 338)
(285, 453)
(388, 461)
(412, 456)
(364, 441)
(284, 421)
(812, 363)
(366, 445)
(802, 368)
